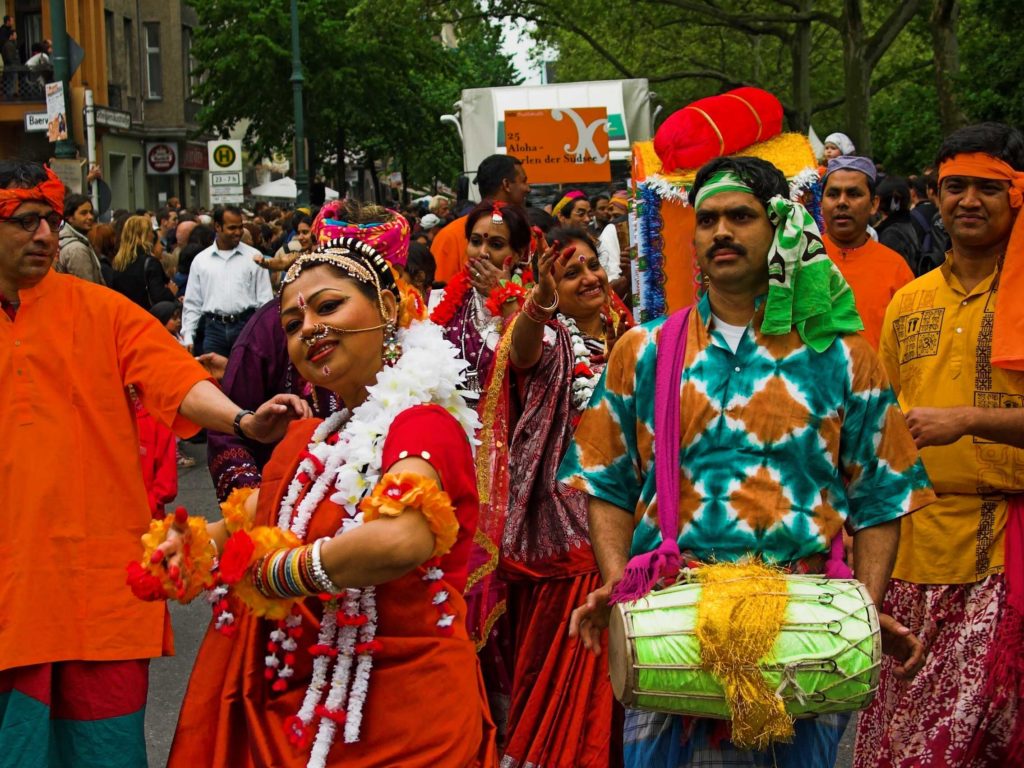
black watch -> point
(238, 422)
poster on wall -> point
(56, 114)
(562, 145)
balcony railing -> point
(118, 98)
(24, 84)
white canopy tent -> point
(284, 189)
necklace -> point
(343, 459)
(584, 377)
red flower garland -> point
(454, 294)
(504, 292)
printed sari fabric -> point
(945, 717)
(74, 714)
(534, 566)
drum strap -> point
(643, 571)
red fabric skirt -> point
(562, 713)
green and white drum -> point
(826, 657)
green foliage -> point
(375, 73)
(686, 55)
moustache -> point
(729, 246)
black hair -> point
(21, 174)
(493, 170)
(220, 210)
(919, 186)
(996, 139)
(164, 213)
(514, 218)
(202, 236)
(301, 218)
(540, 219)
(72, 202)
(894, 195)
(421, 260)
(567, 209)
(762, 177)
(597, 197)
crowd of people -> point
(434, 435)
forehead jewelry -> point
(302, 301)
(326, 371)
(581, 258)
(319, 334)
(496, 217)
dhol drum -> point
(826, 657)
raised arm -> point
(528, 334)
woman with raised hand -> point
(560, 707)
(477, 300)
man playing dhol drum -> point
(788, 430)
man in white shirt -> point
(225, 287)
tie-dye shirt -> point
(779, 444)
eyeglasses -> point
(30, 221)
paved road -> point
(169, 676)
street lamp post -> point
(65, 148)
(301, 174)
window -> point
(154, 76)
(129, 56)
(108, 30)
(188, 62)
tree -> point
(377, 78)
(756, 34)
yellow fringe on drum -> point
(739, 616)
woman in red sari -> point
(340, 622)
(561, 711)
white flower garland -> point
(582, 385)
(349, 464)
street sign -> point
(162, 158)
(35, 122)
(233, 179)
(225, 155)
(224, 199)
(234, 190)
(113, 118)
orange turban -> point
(1008, 325)
(50, 192)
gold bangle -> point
(546, 310)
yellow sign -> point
(560, 146)
(224, 156)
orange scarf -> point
(1008, 327)
(50, 192)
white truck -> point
(480, 116)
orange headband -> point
(982, 165)
(50, 192)
(1008, 324)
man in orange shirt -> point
(501, 178)
(75, 643)
(873, 271)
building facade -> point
(135, 56)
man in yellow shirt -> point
(953, 346)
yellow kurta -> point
(936, 347)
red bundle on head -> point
(717, 126)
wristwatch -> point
(238, 422)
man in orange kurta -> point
(73, 639)
(501, 178)
(873, 271)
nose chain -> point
(320, 333)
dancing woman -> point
(560, 710)
(339, 615)
(490, 287)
